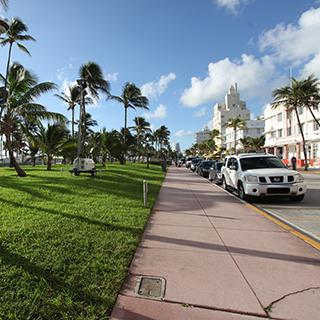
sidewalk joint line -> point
(232, 257)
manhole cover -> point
(150, 287)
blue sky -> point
(183, 53)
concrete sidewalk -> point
(220, 260)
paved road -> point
(306, 214)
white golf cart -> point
(83, 165)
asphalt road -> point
(304, 215)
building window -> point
(289, 131)
(279, 117)
(315, 126)
(280, 133)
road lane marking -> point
(288, 226)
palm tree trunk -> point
(124, 134)
(81, 127)
(8, 66)
(72, 124)
(19, 170)
(5, 85)
(303, 141)
(33, 160)
(314, 117)
(49, 162)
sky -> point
(183, 54)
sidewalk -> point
(220, 260)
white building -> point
(202, 136)
(177, 147)
(283, 136)
(232, 107)
(253, 129)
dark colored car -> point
(194, 163)
(215, 172)
(204, 168)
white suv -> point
(261, 175)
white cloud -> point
(159, 113)
(231, 6)
(112, 77)
(154, 89)
(294, 43)
(183, 133)
(253, 75)
(200, 113)
(312, 67)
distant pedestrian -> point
(294, 163)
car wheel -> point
(297, 198)
(241, 193)
(224, 184)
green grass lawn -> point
(66, 242)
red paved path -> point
(220, 260)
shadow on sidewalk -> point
(243, 251)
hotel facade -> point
(283, 137)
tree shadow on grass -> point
(79, 218)
(54, 282)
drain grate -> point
(150, 287)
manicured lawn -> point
(66, 242)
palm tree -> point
(4, 4)
(131, 97)
(162, 136)
(298, 94)
(91, 82)
(235, 124)
(310, 88)
(21, 108)
(53, 140)
(71, 98)
(257, 143)
(246, 143)
(15, 34)
(141, 127)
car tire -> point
(297, 198)
(224, 184)
(241, 193)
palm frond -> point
(23, 48)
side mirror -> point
(234, 168)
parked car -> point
(188, 161)
(256, 175)
(194, 162)
(215, 172)
(204, 167)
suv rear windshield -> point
(261, 163)
(207, 164)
